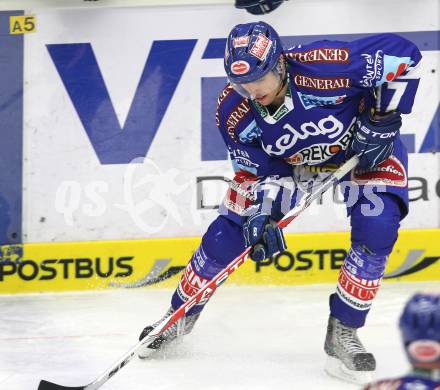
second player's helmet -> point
(252, 50)
(420, 328)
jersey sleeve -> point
(387, 64)
(383, 65)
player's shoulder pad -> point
(382, 58)
(233, 115)
(369, 61)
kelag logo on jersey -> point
(310, 101)
(330, 126)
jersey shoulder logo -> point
(321, 83)
(231, 110)
(339, 55)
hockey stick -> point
(209, 288)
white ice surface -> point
(248, 338)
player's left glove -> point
(264, 235)
(373, 138)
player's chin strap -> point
(210, 287)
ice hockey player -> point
(420, 328)
(296, 113)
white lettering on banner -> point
(287, 141)
(326, 54)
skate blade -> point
(335, 368)
(166, 350)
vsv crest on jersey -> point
(250, 133)
(310, 101)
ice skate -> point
(347, 358)
(180, 328)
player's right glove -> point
(373, 139)
(264, 235)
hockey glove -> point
(264, 235)
(373, 139)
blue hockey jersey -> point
(329, 84)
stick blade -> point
(45, 385)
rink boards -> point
(310, 259)
(108, 122)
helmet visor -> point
(262, 88)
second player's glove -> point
(258, 7)
(373, 139)
(264, 235)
